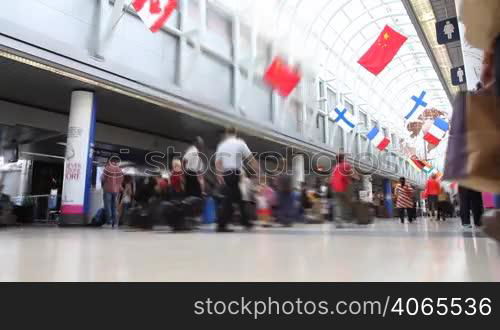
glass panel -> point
(336, 137)
(219, 24)
(363, 120)
(350, 108)
(320, 128)
(331, 99)
(193, 10)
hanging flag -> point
(428, 168)
(419, 102)
(376, 136)
(381, 53)
(154, 13)
(417, 163)
(281, 77)
(437, 131)
(344, 119)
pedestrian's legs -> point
(476, 204)
(463, 194)
(338, 211)
(410, 214)
(287, 208)
(114, 197)
(432, 206)
(346, 206)
(125, 208)
(244, 214)
(193, 187)
(107, 198)
(232, 194)
(402, 214)
(227, 208)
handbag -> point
(473, 153)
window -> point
(336, 137)
(394, 141)
(331, 99)
(363, 120)
(219, 24)
(320, 128)
(193, 10)
(350, 108)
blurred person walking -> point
(247, 193)
(230, 156)
(111, 180)
(193, 169)
(341, 183)
(432, 190)
(264, 212)
(444, 204)
(127, 196)
(287, 212)
(176, 180)
(403, 193)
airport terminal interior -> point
(239, 140)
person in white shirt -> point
(229, 161)
(193, 169)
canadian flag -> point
(154, 13)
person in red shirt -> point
(432, 190)
(177, 179)
(343, 173)
(111, 180)
(403, 194)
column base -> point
(73, 220)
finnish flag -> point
(344, 119)
(437, 132)
(376, 136)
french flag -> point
(416, 163)
(437, 131)
(154, 13)
(378, 139)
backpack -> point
(99, 218)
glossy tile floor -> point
(385, 251)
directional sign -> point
(458, 76)
(447, 31)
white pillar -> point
(78, 159)
(25, 178)
(368, 187)
(298, 169)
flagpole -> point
(425, 151)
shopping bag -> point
(473, 153)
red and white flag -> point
(154, 13)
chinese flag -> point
(382, 51)
(281, 77)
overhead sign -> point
(458, 76)
(447, 31)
